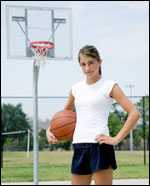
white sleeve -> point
(108, 87)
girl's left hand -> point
(101, 138)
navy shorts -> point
(91, 157)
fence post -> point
(144, 130)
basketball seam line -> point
(65, 134)
(61, 117)
(61, 126)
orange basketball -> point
(63, 124)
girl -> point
(93, 147)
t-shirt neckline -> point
(93, 84)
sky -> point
(119, 30)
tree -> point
(146, 113)
(14, 119)
(115, 121)
(146, 109)
(42, 139)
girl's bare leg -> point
(81, 179)
(103, 177)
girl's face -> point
(90, 66)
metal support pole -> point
(35, 121)
(28, 144)
(26, 32)
(131, 140)
(2, 148)
(131, 132)
(144, 131)
(53, 32)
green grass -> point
(56, 166)
(131, 165)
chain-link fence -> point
(137, 140)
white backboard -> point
(26, 24)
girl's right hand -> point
(50, 137)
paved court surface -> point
(115, 182)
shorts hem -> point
(93, 171)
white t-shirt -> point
(92, 103)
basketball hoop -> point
(40, 49)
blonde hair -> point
(91, 51)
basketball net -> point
(40, 50)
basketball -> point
(62, 124)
